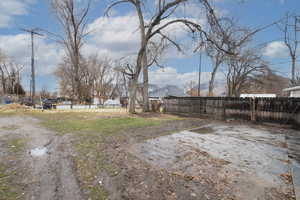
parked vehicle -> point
(49, 104)
(26, 101)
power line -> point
(32, 32)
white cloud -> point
(170, 76)
(115, 37)
(119, 35)
(11, 8)
(17, 47)
(276, 49)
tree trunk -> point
(77, 78)
(230, 86)
(133, 84)
(145, 85)
(212, 79)
(142, 57)
(3, 83)
(293, 70)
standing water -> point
(38, 151)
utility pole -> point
(200, 70)
(32, 33)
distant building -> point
(293, 91)
(258, 95)
(112, 102)
(96, 101)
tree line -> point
(10, 76)
(224, 41)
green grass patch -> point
(92, 158)
(92, 132)
(106, 126)
(16, 145)
(87, 168)
(10, 128)
(9, 188)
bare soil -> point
(47, 177)
(56, 174)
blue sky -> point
(116, 37)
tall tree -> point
(291, 30)
(268, 82)
(2, 71)
(102, 76)
(97, 78)
(153, 27)
(10, 75)
(216, 55)
(225, 40)
(73, 19)
(44, 93)
(242, 68)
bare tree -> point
(191, 88)
(10, 74)
(64, 72)
(291, 30)
(44, 93)
(268, 82)
(297, 78)
(229, 37)
(225, 39)
(102, 76)
(216, 55)
(159, 21)
(97, 78)
(73, 19)
(3, 75)
(241, 69)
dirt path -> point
(46, 160)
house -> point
(293, 91)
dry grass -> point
(91, 132)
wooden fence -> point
(279, 110)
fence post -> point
(253, 109)
(224, 108)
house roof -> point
(292, 89)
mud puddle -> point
(39, 151)
(247, 161)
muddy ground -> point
(46, 176)
(141, 163)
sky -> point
(116, 36)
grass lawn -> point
(70, 123)
(92, 133)
(95, 142)
(10, 188)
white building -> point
(294, 91)
(258, 95)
